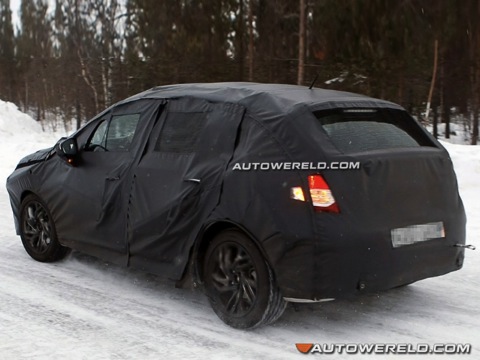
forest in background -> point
(74, 59)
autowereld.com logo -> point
(321, 165)
(384, 348)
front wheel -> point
(239, 282)
(37, 231)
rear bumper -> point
(353, 261)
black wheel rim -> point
(37, 230)
(234, 278)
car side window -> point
(114, 135)
(99, 137)
(180, 132)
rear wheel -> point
(239, 282)
(37, 231)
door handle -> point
(197, 181)
(113, 178)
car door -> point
(96, 189)
(178, 181)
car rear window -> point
(360, 130)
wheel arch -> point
(17, 206)
(25, 193)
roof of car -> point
(258, 97)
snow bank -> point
(13, 121)
(20, 135)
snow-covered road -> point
(83, 308)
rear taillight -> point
(322, 197)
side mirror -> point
(67, 148)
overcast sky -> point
(15, 6)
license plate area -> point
(417, 233)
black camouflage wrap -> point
(149, 209)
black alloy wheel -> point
(239, 283)
(37, 231)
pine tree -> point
(7, 52)
(34, 49)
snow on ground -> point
(458, 133)
(83, 308)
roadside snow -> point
(19, 136)
(83, 308)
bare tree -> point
(434, 76)
(250, 41)
(301, 43)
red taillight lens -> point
(322, 197)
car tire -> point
(37, 231)
(239, 283)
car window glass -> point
(180, 132)
(99, 137)
(121, 131)
(116, 135)
(360, 130)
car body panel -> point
(186, 187)
(148, 208)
